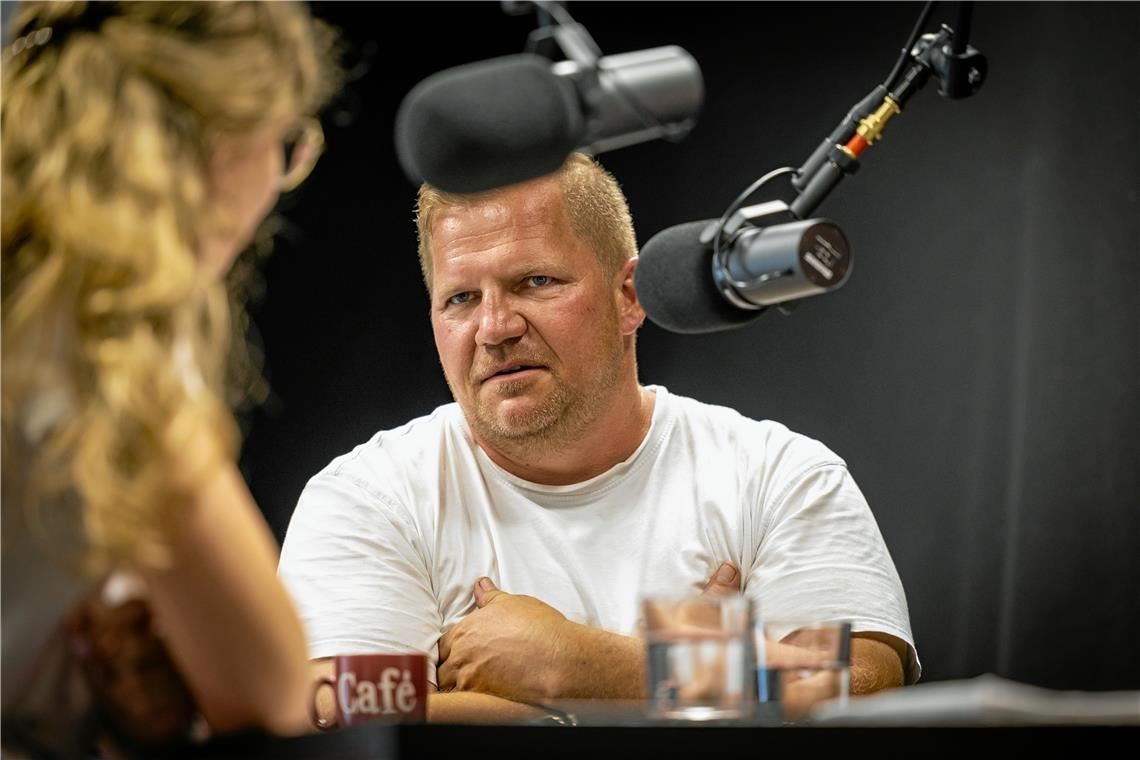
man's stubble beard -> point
(563, 416)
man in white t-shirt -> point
(510, 534)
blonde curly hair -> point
(107, 128)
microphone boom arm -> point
(960, 68)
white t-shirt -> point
(387, 541)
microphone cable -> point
(720, 255)
(922, 19)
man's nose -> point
(499, 320)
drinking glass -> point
(699, 657)
(802, 664)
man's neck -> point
(610, 439)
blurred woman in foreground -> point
(143, 143)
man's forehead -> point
(528, 204)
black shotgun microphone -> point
(686, 284)
(506, 120)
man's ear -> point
(630, 314)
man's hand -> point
(130, 672)
(724, 582)
(505, 647)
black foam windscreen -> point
(488, 124)
(675, 284)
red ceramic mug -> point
(388, 688)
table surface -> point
(947, 719)
(696, 741)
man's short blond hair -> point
(598, 212)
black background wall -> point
(980, 371)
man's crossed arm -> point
(520, 648)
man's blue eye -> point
(459, 298)
(539, 280)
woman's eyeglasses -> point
(303, 146)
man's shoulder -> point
(411, 445)
(721, 418)
(764, 437)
